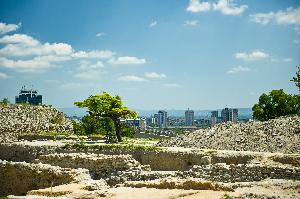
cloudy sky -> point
(155, 54)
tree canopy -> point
(106, 106)
(296, 79)
(275, 104)
(5, 101)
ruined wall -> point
(19, 177)
(243, 172)
(99, 165)
(163, 160)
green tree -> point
(90, 125)
(5, 101)
(296, 79)
(106, 106)
(127, 130)
(277, 103)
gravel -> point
(17, 120)
(277, 135)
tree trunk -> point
(118, 129)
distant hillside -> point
(243, 112)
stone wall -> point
(99, 165)
(27, 119)
(243, 172)
(161, 160)
(19, 177)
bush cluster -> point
(91, 125)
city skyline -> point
(154, 54)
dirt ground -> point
(147, 193)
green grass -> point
(3, 197)
(226, 196)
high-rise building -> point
(214, 117)
(28, 96)
(162, 119)
(229, 114)
(233, 115)
(189, 117)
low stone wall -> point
(22, 152)
(160, 160)
(99, 165)
(18, 178)
(242, 172)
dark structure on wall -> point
(29, 96)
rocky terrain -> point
(185, 167)
(20, 119)
(277, 135)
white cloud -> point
(5, 28)
(290, 16)
(3, 76)
(287, 59)
(76, 85)
(100, 34)
(131, 78)
(127, 60)
(254, 55)
(172, 85)
(19, 39)
(155, 75)
(23, 45)
(296, 41)
(89, 74)
(238, 69)
(85, 65)
(90, 71)
(198, 6)
(152, 24)
(31, 65)
(51, 81)
(228, 7)
(191, 23)
(94, 54)
(26, 54)
(297, 29)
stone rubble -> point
(277, 135)
(18, 119)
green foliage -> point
(296, 79)
(106, 106)
(226, 196)
(92, 125)
(127, 131)
(277, 103)
(5, 101)
(78, 128)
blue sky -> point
(155, 54)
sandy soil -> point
(147, 193)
